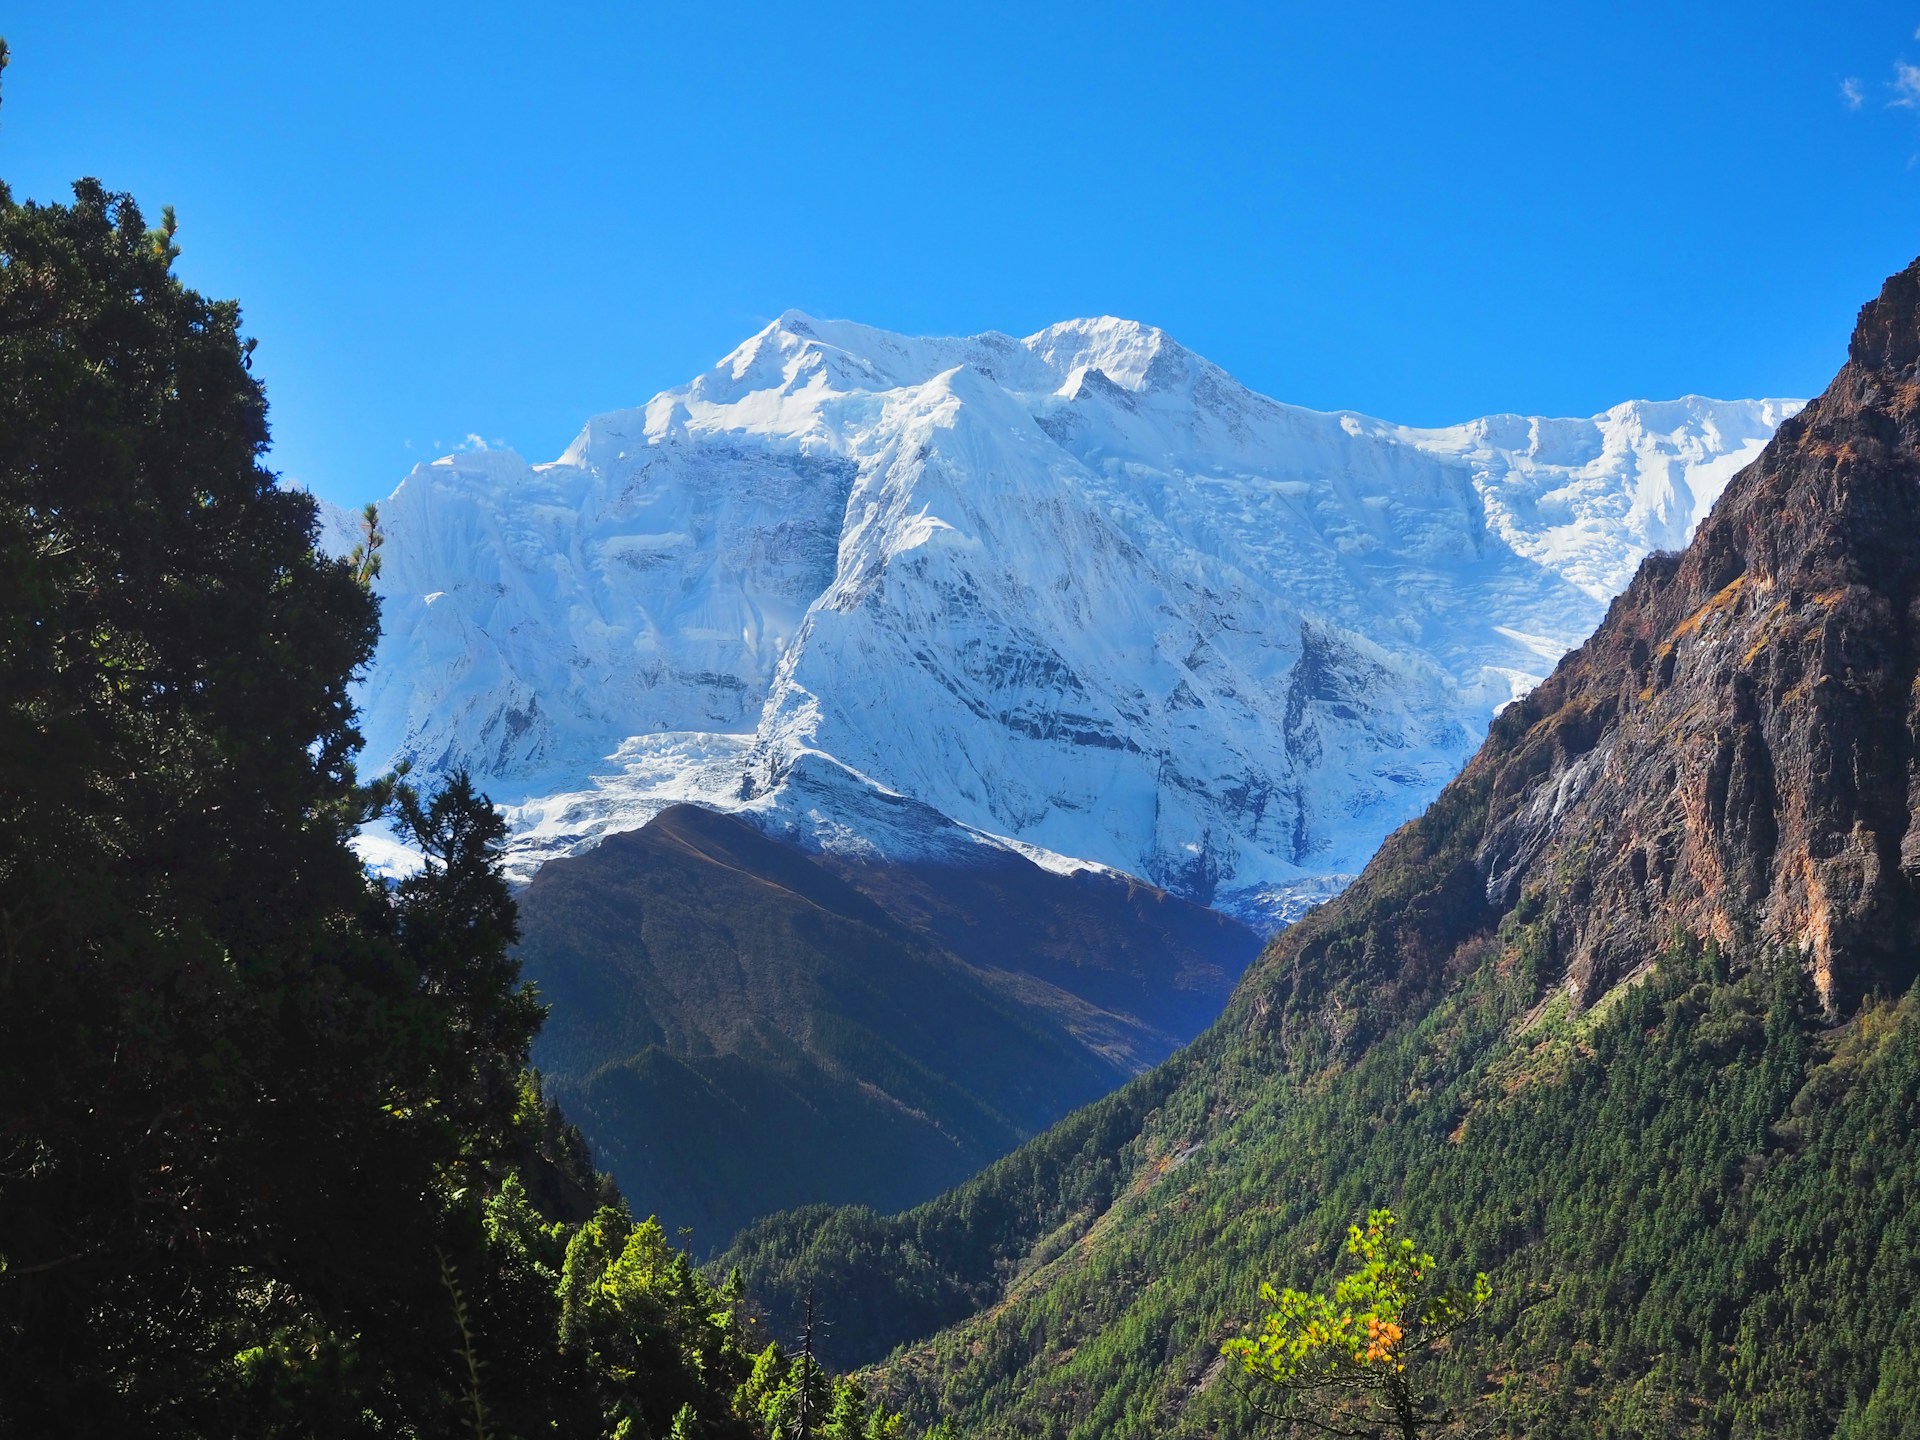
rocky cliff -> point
(1732, 753)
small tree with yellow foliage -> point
(1359, 1361)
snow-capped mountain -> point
(1082, 593)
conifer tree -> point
(238, 1080)
(271, 1159)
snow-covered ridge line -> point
(1081, 593)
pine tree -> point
(240, 1084)
(271, 1159)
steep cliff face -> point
(1732, 753)
(1729, 756)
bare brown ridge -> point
(1732, 754)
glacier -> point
(1082, 595)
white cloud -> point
(1851, 93)
(1906, 86)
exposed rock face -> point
(1733, 750)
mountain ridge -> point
(1004, 579)
(743, 1027)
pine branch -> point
(478, 1419)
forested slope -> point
(1623, 1019)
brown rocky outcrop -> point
(1733, 752)
(1731, 755)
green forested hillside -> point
(1699, 1211)
(1625, 1020)
(886, 1280)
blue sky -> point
(491, 220)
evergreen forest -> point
(1697, 1208)
(272, 1161)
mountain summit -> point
(1083, 595)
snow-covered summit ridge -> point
(1083, 593)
